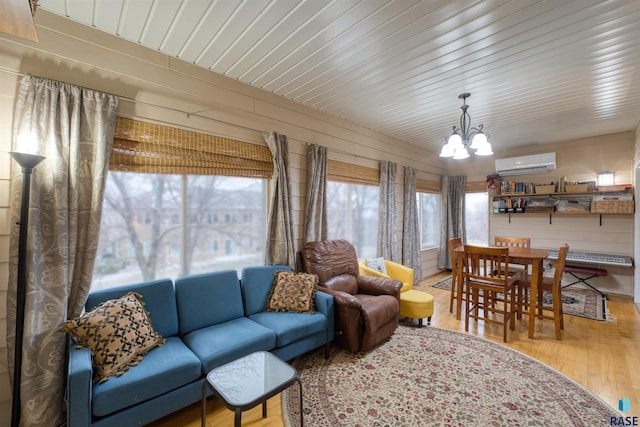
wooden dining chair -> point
(513, 242)
(486, 273)
(554, 286)
(456, 291)
(517, 242)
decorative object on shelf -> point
(577, 187)
(466, 137)
(28, 161)
(615, 203)
(545, 188)
(492, 181)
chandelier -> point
(457, 145)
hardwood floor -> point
(604, 357)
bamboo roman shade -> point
(153, 148)
(476, 187)
(354, 174)
(426, 186)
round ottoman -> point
(416, 305)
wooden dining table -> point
(525, 256)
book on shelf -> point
(513, 187)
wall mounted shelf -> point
(618, 201)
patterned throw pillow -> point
(118, 333)
(377, 264)
(292, 292)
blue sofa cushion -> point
(218, 344)
(208, 299)
(161, 370)
(159, 300)
(291, 327)
(256, 286)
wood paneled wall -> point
(7, 93)
(157, 88)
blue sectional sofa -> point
(207, 320)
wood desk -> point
(532, 256)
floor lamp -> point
(28, 162)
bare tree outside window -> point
(352, 214)
(134, 217)
(144, 234)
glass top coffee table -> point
(249, 381)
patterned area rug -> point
(435, 377)
(575, 302)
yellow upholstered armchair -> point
(394, 271)
(413, 303)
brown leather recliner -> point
(366, 307)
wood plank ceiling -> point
(538, 71)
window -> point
(161, 246)
(429, 217)
(352, 214)
(212, 246)
(477, 218)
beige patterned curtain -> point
(74, 129)
(388, 218)
(452, 215)
(315, 213)
(411, 230)
(280, 248)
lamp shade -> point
(26, 160)
(478, 140)
(461, 153)
(484, 149)
(447, 151)
(455, 141)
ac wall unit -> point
(523, 165)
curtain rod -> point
(188, 114)
(195, 114)
(132, 100)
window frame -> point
(436, 243)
